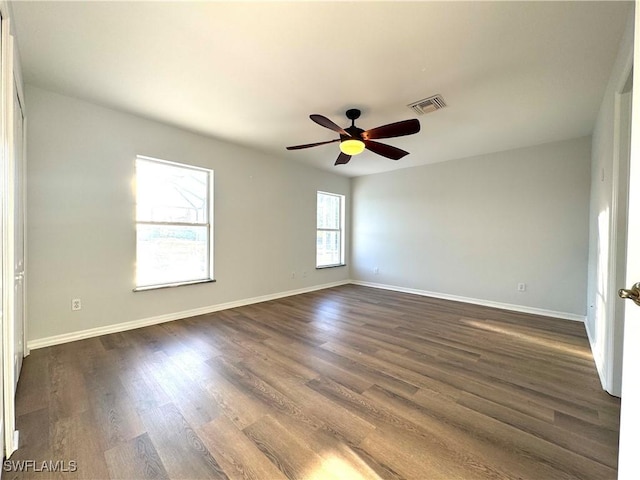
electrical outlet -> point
(522, 287)
(293, 275)
(376, 270)
(76, 304)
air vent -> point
(428, 105)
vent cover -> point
(428, 105)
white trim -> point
(615, 323)
(169, 317)
(144, 322)
(476, 301)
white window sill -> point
(171, 285)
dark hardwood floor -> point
(346, 383)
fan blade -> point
(309, 145)
(343, 158)
(385, 150)
(326, 123)
(398, 129)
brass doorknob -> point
(632, 294)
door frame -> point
(617, 237)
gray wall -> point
(80, 217)
(476, 227)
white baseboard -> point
(144, 322)
(476, 301)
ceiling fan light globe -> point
(352, 147)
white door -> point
(18, 232)
(12, 235)
(3, 199)
(629, 462)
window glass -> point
(174, 228)
(330, 230)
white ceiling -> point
(512, 73)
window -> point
(330, 230)
(174, 234)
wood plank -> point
(76, 438)
(333, 419)
(290, 454)
(136, 458)
(238, 456)
(34, 390)
(116, 417)
(236, 405)
(182, 452)
(575, 442)
(187, 395)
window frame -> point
(209, 224)
(340, 229)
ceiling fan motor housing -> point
(353, 131)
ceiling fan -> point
(354, 140)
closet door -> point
(13, 223)
(18, 233)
